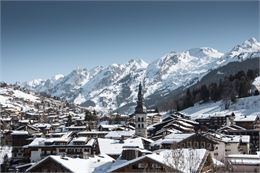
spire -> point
(140, 108)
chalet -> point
(188, 161)
(174, 122)
(29, 128)
(163, 132)
(81, 147)
(254, 137)
(19, 139)
(215, 122)
(114, 148)
(248, 122)
(64, 163)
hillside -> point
(248, 106)
(18, 101)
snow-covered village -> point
(191, 110)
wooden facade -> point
(49, 165)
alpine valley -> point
(114, 88)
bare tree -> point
(175, 158)
(193, 160)
(183, 160)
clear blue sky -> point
(41, 39)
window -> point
(142, 119)
(203, 145)
(155, 165)
(61, 150)
(141, 165)
(138, 125)
(138, 119)
(142, 125)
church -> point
(140, 115)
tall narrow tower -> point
(140, 115)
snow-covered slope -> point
(115, 86)
(248, 106)
(256, 83)
(17, 99)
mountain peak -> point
(250, 45)
(204, 52)
(58, 76)
(138, 62)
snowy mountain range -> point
(115, 86)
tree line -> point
(228, 90)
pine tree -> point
(204, 93)
(188, 100)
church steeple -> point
(140, 108)
(140, 115)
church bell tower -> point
(140, 115)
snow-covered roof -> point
(246, 118)
(112, 146)
(236, 138)
(118, 134)
(244, 159)
(110, 126)
(91, 142)
(6, 119)
(37, 142)
(173, 138)
(93, 132)
(78, 165)
(20, 132)
(42, 125)
(189, 159)
(24, 121)
(79, 139)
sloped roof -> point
(77, 165)
(190, 159)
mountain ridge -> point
(109, 88)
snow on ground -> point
(79, 99)
(8, 95)
(3, 99)
(25, 96)
(248, 106)
(257, 82)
